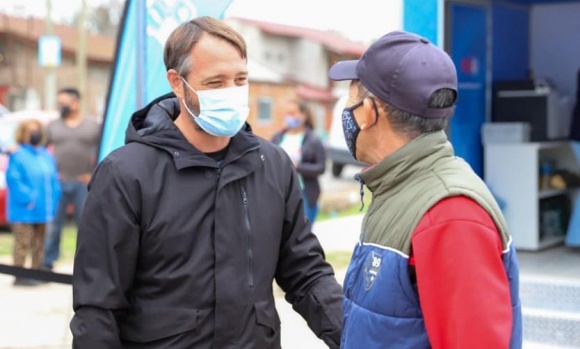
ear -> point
(369, 114)
(175, 82)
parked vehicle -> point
(338, 151)
(8, 124)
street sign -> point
(49, 51)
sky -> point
(361, 20)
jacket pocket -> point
(144, 325)
(267, 316)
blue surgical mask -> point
(222, 112)
(292, 122)
(350, 128)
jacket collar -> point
(30, 148)
(415, 157)
(154, 126)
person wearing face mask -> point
(74, 140)
(306, 152)
(187, 225)
(435, 266)
(33, 195)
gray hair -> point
(410, 125)
(184, 66)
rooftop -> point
(99, 48)
(331, 40)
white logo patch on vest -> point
(371, 269)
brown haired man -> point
(187, 226)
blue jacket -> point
(381, 305)
(33, 186)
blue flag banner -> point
(139, 74)
(573, 235)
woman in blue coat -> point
(33, 194)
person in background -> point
(74, 140)
(305, 150)
(33, 195)
(435, 266)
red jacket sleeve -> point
(463, 287)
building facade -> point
(284, 63)
(300, 58)
(22, 79)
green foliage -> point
(339, 259)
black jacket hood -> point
(154, 126)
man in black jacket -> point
(187, 225)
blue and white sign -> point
(49, 51)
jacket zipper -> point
(250, 251)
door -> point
(467, 32)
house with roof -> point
(284, 62)
(22, 79)
(295, 60)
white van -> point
(337, 149)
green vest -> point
(406, 184)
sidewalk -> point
(35, 317)
(38, 318)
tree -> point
(103, 18)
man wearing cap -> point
(435, 266)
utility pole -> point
(50, 78)
(81, 56)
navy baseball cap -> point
(403, 69)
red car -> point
(8, 124)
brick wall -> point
(278, 95)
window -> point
(264, 110)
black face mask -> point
(35, 138)
(65, 111)
(350, 127)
